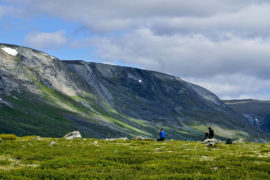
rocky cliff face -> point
(256, 112)
(45, 96)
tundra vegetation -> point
(57, 158)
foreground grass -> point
(56, 158)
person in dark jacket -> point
(161, 134)
(210, 134)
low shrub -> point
(8, 136)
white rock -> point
(143, 139)
(113, 139)
(38, 138)
(211, 142)
(12, 52)
(52, 143)
(239, 141)
(73, 135)
(139, 138)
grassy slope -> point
(131, 159)
(32, 115)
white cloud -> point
(222, 45)
(46, 40)
(164, 16)
(235, 86)
(249, 21)
(194, 55)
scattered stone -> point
(211, 142)
(205, 158)
(52, 143)
(73, 135)
(142, 138)
(239, 141)
(113, 139)
(139, 138)
(38, 138)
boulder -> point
(211, 142)
(73, 135)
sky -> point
(223, 46)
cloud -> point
(249, 21)
(194, 55)
(46, 40)
(222, 45)
(235, 86)
(163, 16)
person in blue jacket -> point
(162, 135)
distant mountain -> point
(45, 96)
(255, 111)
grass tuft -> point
(8, 136)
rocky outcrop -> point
(73, 135)
(211, 142)
(256, 112)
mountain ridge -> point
(104, 100)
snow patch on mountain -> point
(12, 52)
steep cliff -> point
(43, 95)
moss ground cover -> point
(31, 158)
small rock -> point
(143, 139)
(38, 138)
(113, 139)
(52, 143)
(239, 141)
(139, 138)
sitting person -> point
(162, 135)
(209, 134)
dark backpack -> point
(229, 141)
(211, 133)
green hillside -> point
(57, 158)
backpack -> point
(229, 141)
